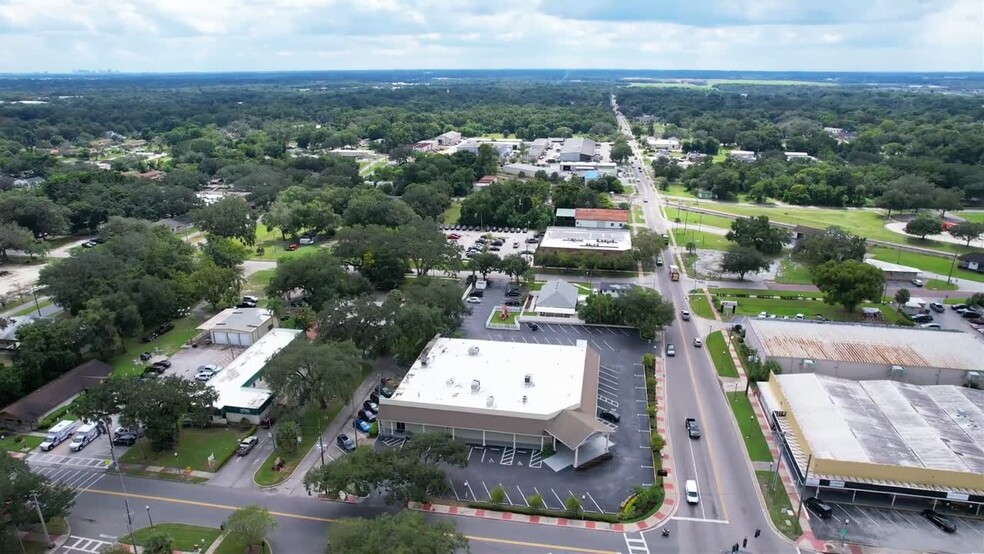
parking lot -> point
(522, 471)
(185, 362)
(898, 529)
(513, 243)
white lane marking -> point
(700, 520)
(594, 502)
(608, 345)
(523, 496)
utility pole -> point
(953, 262)
(806, 473)
(775, 477)
(44, 527)
(126, 502)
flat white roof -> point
(587, 238)
(889, 266)
(232, 381)
(444, 378)
(868, 344)
(237, 319)
(889, 422)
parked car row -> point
(481, 228)
(93, 242)
(369, 413)
(163, 328)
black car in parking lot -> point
(367, 415)
(609, 416)
(371, 406)
(819, 508)
(939, 520)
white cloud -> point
(217, 35)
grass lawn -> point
(275, 247)
(185, 537)
(972, 216)
(699, 221)
(313, 423)
(511, 320)
(20, 443)
(671, 85)
(33, 308)
(809, 308)
(717, 347)
(637, 215)
(452, 214)
(366, 168)
(676, 189)
(194, 447)
(779, 506)
(128, 363)
(767, 82)
(231, 546)
(939, 284)
(703, 239)
(758, 449)
(257, 282)
(794, 273)
(925, 262)
(700, 307)
(721, 155)
(628, 190)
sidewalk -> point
(294, 484)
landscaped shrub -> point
(657, 442)
(497, 495)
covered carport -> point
(584, 437)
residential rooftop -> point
(587, 238)
(490, 377)
(238, 319)
(869, 344)
(936, 427)
(236, 382)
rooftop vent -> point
(524, 399)
(476, 385)
(473, 351)
(528, 380)
(490, 401)
(450, 382)
(425, 360)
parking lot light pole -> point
(150, 519)
(44, 526)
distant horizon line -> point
(500, 69)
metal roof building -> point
(857, 351)
(242, 394)
(489, 392)
(887, 436)
(577, 149)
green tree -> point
(833, 243)
(158, 542)
(849, 283)
(285, 435)
(901, 297)
(976, 299)
(743, 259)
(967, 231)
(17, 487)
(224, 252)
(407, 531)
(757, 233)
(14, 237)
(573, 506)
(359, 320)
(41, 215)
(319, 276)
(217, 285)
(230, 217)
(646, 310)
(646, 245)
(535, 502)
(428, 201)
(250, 525)
(314, 373)
(439, 448)
(621, 151)
(98, 325)
(924, 224)
(484, 263)
(657, 442)
(497, 495)
(514, 266)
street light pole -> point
(126, 502)
(37, 306)
(150, 519)
(321, 443)
(44, 527)
(806, 475)
(953, 262)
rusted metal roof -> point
(869, 344)
(601, 214)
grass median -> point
(700, 306)
(186, 537)
(791, 307)
(717, 347)
(779, 506)
(313, 424)
(751, 432)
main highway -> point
(730, 508)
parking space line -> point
(509, 500)
(608, 345)
(595, 344)
(882, 514)
(909, 521)
(562, 328)
(454, 490)
(865, 514)
(536, 340)
(550, 327)
(483, 454)
(523, 496)
(468, 486)
(508, 454)
(594, 502)
(535, 461)
(603, 376)
(557, 496)
(487, 493)
(973, 528)
(544, 498)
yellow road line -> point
(330, 520)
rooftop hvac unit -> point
(809, 365)
(524, 399)
(490, 401)
(450, 382)
(425, 360)
(476, 385)
(528, 380)
(473, 351)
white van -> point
(58, 434)
(692, 496)
(86, 434)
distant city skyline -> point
(297, 35)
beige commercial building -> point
(881, 437)
(502, 393)
(239, 326)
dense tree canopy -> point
(849, 283)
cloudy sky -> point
(231, 35)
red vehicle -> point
(293, 246)
(454, 236)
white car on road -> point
(206, 372)
(474, 300)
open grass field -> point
(129, 363)
(972, 216)
(452, 214)
(193, 449)
(275, 247)
(313, 424)
(721, 155)
(779, 506)
(367, 167)
(794, 273)
(940, 284)
(925, 262)
(758, 448)
(637, 215)
(257, 282)
(676, 189)
(186, 537)
(697, 220)
(717, 347)
(671, 85)
(809, 308)
(703, 239)
(767, 82)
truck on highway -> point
(693, 429)
(58, 434)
